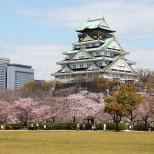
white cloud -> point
(43, 58)
(143, 58)
(131, 18)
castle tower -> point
(96, 53)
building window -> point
(96, 74)
(87, 45)
(106, 62)
(81, 57)
(97, 44)
(121, 75)
(100, 64)
(88, 65)
(62, 77)
(68, 77)
(81, 65)
(97, 53)
(74, 66)
(108, 54)
(71, 56)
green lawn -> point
(72, 142)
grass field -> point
(72, 142)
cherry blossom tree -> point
(41, 113)
(79, 106)
(5, 112)
(146, 109)
(28, 110)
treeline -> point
(100, 100)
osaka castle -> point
(97, 53)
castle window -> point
(74, 66)
(81, 57)
(100, 64)
(108, 53)
(87, 45)
(81, 65)
(93, 44)
(88, 65)
(97, 44)
(62, 77)
(121, 75)
(97, 53)
(68, 77)
(106, 62)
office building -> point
(18, 75)
(3, 74)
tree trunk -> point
(74, 119)
(53, 119)
(132, 121)
(146, 124)
(117, 126)
(117, 120)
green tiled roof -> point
(97, 23)
(86, 60)
(92, 41)
(106, 41)
(130, 62)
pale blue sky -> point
(36, 32)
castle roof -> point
(96, 23)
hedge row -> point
(112, 126)
(65, 126)
(139, 127)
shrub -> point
(60, 126)
(88, 126)
(111, 126)
(139, 127)
(13, 126)
(70, 126)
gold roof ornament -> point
(121, 55)
(81, 46)
(81, 38)
(99, 36)
(95, 36)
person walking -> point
(83, 126)
(94, 128)
(2, 127)
(37, 126)
(45, 126)
(77, 126)
(32, 126)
